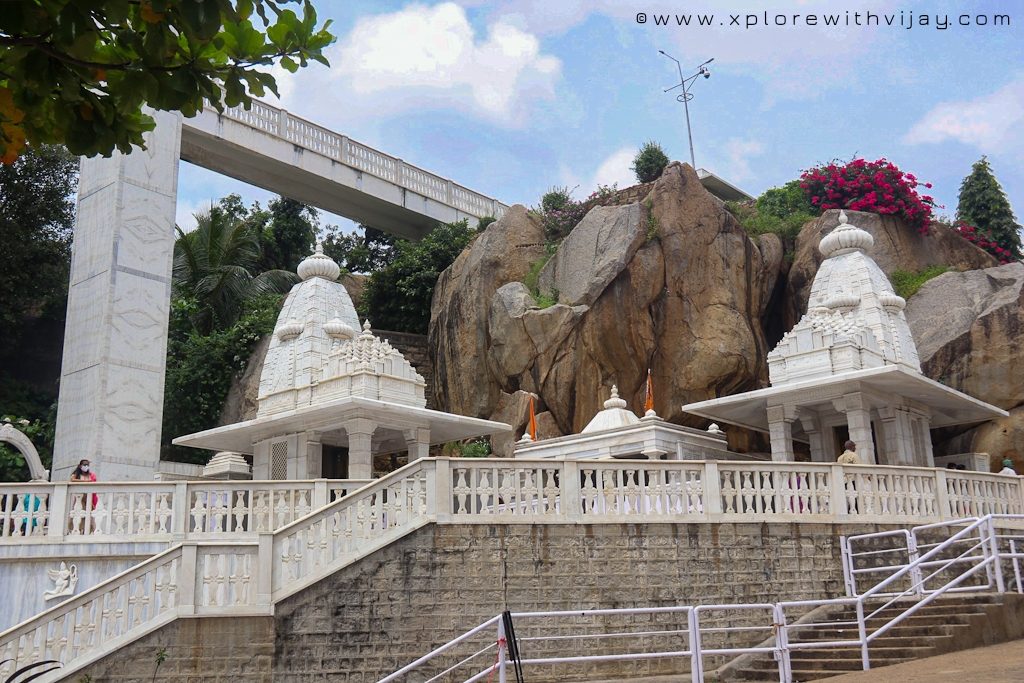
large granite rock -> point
(896, 247)
(1000, 438)
(459, 337)
(593, 254)
(673, 284)
(968, 328)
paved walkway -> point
(994, 664)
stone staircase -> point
(948, 624)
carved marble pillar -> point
(780, 430)
(899, 436)
(418, 442)
(811, 423)
(360, 447)
(858, 419)
(115, 341)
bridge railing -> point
(345, 150)
(99, 511)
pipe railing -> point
(871, 622)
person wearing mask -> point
(84, 473)
(849, 456)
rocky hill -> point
(672, 282)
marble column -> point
(858, 420)
(360, 448)
(811, 423)
(780, 431)
(418, 442)
(899, 436)
(115, 341)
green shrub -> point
(785, 201)
(559, 213)
(906, 283)
(532, 279)
(482, 224)
(545, 300)
(757, 223)
(649, 162)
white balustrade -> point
(335, 146)
(367, 519)
(247, 577)
(155, 511)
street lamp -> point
(685, 96)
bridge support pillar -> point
(115, 341)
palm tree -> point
(216, 266)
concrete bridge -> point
(270, 148)
(112, 375)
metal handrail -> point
(779, 644)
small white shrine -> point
(331, 396)
(849, 369)
(616, 432)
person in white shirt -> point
(1008, 468)
(849, 456)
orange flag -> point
(533, 421)
(649, 403)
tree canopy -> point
(37, 213)
(78, 72)
(984, 205)
(364, 251)
(217, 266)
(398, 296)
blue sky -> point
(511, 97)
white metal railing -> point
(299, 131)
(974, 548)
(147, 511)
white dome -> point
(318, 264)
(614, 415)
(845, 238)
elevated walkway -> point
(283, 153)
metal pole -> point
(689, 133)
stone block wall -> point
(381, 613)
(210, 650)
(399, 603)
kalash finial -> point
(845, 238)
(615, 401)
(318, 264)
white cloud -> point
(615, 170)
(794, 61)
(990, 123)
(185, 210)
(429, 57)
(736, 159)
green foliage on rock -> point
(906, 283)
(559, 213)
(201, 367)
(650, 162)
(217, 267)
(984, 205)
(37, 214)
(398, 296)
(779, 210)
(287, 233)
(78, 72)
